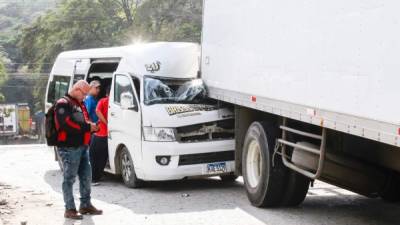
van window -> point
(80, 69)
(103, 70)
(122, 85)
(78, 77)
(58, 88)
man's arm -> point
(99, 113)
(88, 105)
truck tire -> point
(128, 170)
(296, 189)
(265, 184)
(391, 192)
(229, 178)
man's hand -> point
(93, 127)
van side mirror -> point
(127, 101)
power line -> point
(21, 86)
(27, 63)
(28, 74)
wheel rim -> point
(253, 164)
(126, 167)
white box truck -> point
(315, 89)
(8, 120)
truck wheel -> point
(264, 184)
(58, 159)
(391, 192)
(128, 170)
(296, 189)
(229, 178)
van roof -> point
(123, 51)
(165, 59)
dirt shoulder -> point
(15, 201)
(7, 204)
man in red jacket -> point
(74, 129)
(99, 143)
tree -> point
(3, 78)
(169, 20)
(75, 24)
(81, 24)
(13, 16)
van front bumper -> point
(196, 155)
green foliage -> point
(13, 16)
(75, 24)
(81, 24)
(169, 20)
(3, 78)
(3, 73)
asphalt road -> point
(30, 182)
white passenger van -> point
(161, 124)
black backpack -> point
(50, 126)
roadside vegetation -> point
(34, 32)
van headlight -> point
(158, 134)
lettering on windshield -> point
(173, 110)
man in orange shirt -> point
(99, 144)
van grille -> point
(212, 157)
(219, 130)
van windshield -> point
(162, 90)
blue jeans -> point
(76, 162)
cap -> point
(95, 83)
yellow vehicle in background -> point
(24, 119)
(15, 120)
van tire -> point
(391, 191)
(128, 170)
(228, 178)
(265, 185)
(296, 189)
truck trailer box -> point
(330, 62)
(315, 90)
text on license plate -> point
(219, 167)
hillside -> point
(14, 14)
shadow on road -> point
(191, 195)
(196, 195)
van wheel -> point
(296, 189)
(391, 192)
(128, 170)
(265, 185)
(229, 178)
(58, 159)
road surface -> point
(30, 191)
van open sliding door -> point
(102, 70)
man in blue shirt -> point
(91, 100)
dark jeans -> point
(76, 162)
(98, 156)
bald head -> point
(80, 90)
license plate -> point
(216, 167)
